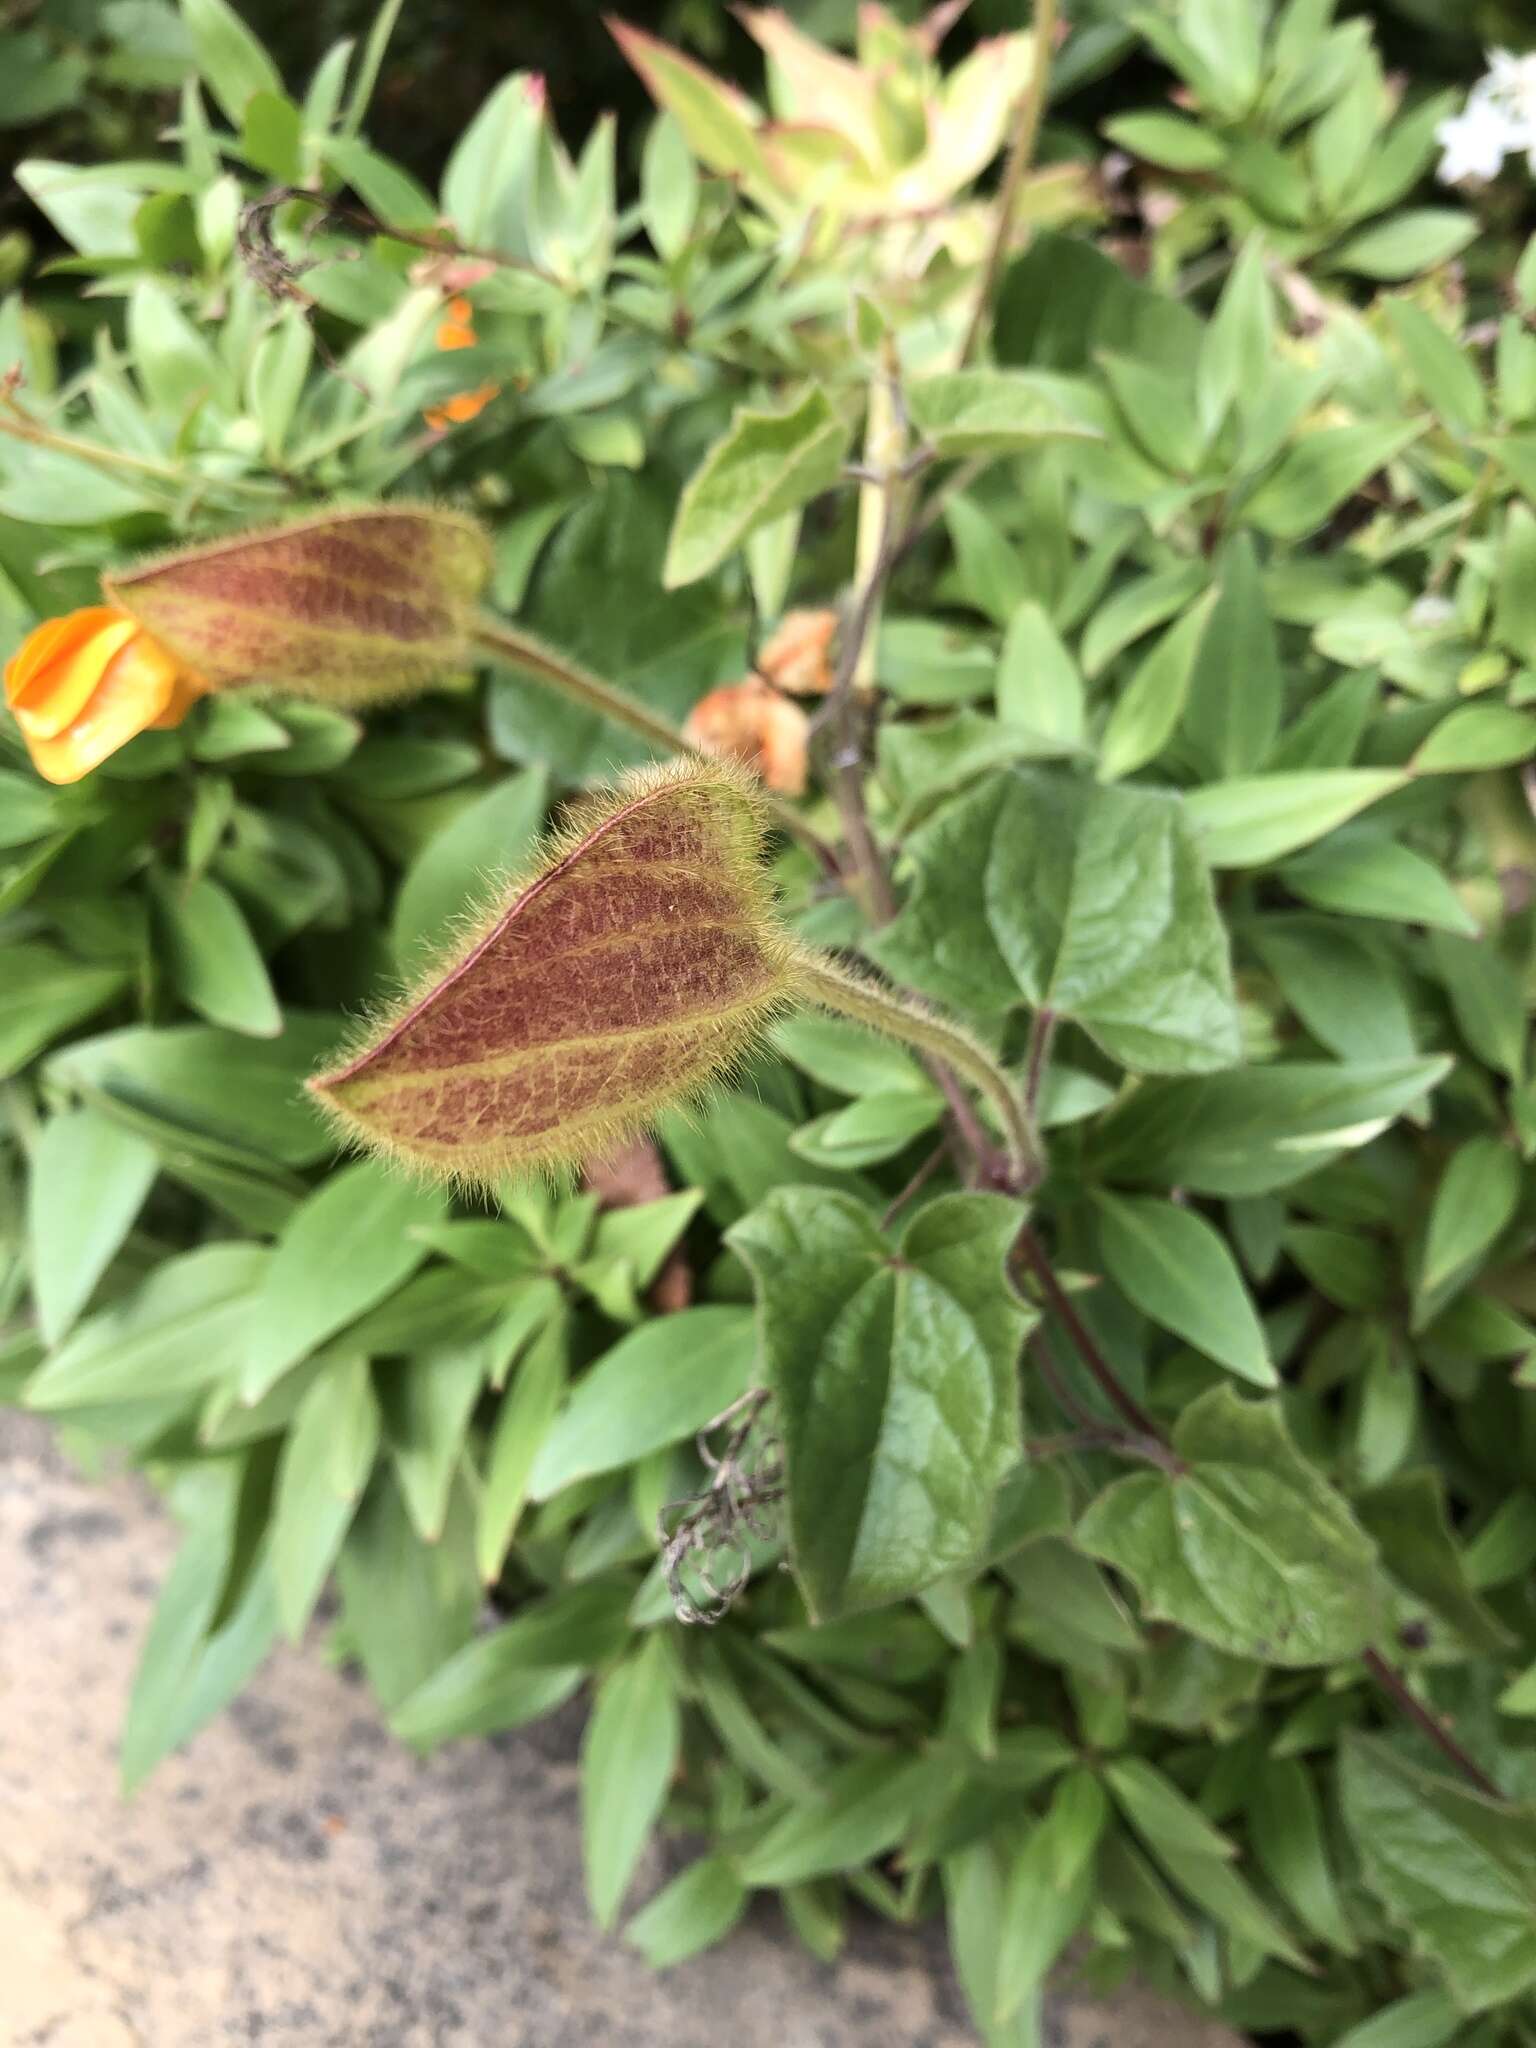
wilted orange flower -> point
(796, 656)
(458, 331)
(82, 686)
(752, 723)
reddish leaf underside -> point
(640, 962)
(353, 606)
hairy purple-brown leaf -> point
(353, 606)
(640, 961)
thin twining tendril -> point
(710, 1536)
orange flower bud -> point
(753, 724)
(464, 405)
(352, 606)
(458, 331)
(640, 961)
(82, 686)
(797, 655)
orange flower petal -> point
(459, 308)
(467, 405)
(45, 643)
(797, 657)
(186, 691)
(136, 690)
(61, 691)
(753, 724)
(450, 335)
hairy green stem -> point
(21, 426)
(1020, 157)
(820, 981)
(534, 658)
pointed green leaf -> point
(1246, 1546)
(1254, 819)
(627, 1761)
(1259, 1128)
(895, 1374)
(1455, 1870)
(327, 1456)
(989, 412)
(346, 1248)
(767, 464)
(71, 1241)
(1093, 903)
(655, 1387)
(1178, 1271)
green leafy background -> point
(1204, 732)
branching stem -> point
(1060, 1303)
(1395, 1686)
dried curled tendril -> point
(705, 1551)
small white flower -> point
(1499, 120)
(1430, 610)
(1512, 81)
(1476, 141)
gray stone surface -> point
(295, 1878)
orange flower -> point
(751, 723)
(458, 331)
(796, 655)
(82, 686)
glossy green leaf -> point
(767, 464)
(87, 1183)
(228, 55)
(1473, 1203)
(407, 1606)
(1407, 1520)
(1475, 737)
(698, 1908)
(45, 993)
(1260, 1128)
(1285, 1819)
(516, 1671)
(1236, 692)
(427, 1401)
(657, 1386)
(239, 1097)
(327, 1456)
(989, 412)
(1093, 903)
(1251, 820)
(1456, 1871)
(459, 869)
(212, 959)
(865, 1808)
(1320, 471)
(1351, 996)
(1038, 683)
(1407, 244)
(1362, 873)
(347, 1247)
(894, 1368)
(176, 1332)
(1176, 1268)
(1153, 702)
(201, 1648)
(1246, 1545)
(627, 1761)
